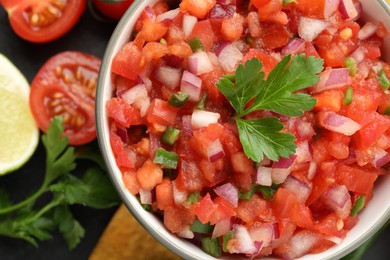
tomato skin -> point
(56, 90)
(113, 10)
(123, 113)
(21, 14)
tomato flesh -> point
(65, 86)
(113, 9)
(45, 20)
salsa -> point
(176, 130)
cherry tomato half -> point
(42, 21)
(113, 9)
(65, 86)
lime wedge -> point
(19, 133)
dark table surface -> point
(90, 35)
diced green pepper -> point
(351, 64)
(286, 2)
(268, 192)
(383, 80)
(202, 103)
(196, 44)
(348, 96)
(231, 77)
(358, 206)
(211, 246)
(166, 159)
(199, 227)
(193, 198)
(170, 135)
(147, 207)
(226, 238)
(247, 195)
(178, 99)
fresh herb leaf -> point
(93, 190)
(70, 228)
(263, 137)
(278, 93)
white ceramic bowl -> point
(371, 219)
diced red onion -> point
(351, 158)
(281, 169)
(154, 144)
(358, 54)
(222, 227)
(300, 188)
(296, 45)
(312, 171)
(245, 243)
(284, 163)
(145, 196)
(264, 162)
(168, 76)
(220, 11)
(363, 69)
(149, 12)
(310, 28)
(301, 243)
(121, 131)
(191, 84)
(263, 176)
(262, 232)
(305, 130)
(215, 151)
(338, 123)
(337, 197)
(330, 79)
(201, 118)
(230, 57)
(138, 96)
(187, 124)
(213, 59)
(381, 158)
(367, 31)
(229, 192)
(348, 9)
(359, 8)
(189, 22)
(220, 46)
(303, 152)
(146, 81)
(330, 7)
(276, 230)
(199, 63)
(186, 233)
(169, 15)
(178, 196)
(334, 239)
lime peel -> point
(19, 134)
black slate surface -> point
(91, 36)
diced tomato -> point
(204, 31)
(243, 170)
(154, 50)
(180, 49)
(275, 36)
(118, 149)
(130, 181)
(190, 178)
(331, 225)
(203, 137)
(151, 30)
(270, 10)
(175, 34)
(269, 62)
(370, 133)
(230, 139)
(128, 62)
(322, 180)
(209, 81)
(223, 210)
(123, 113)
(312, 8)
(339, 145)
(355, 179)
(176, 219)
(164, 194)
(204, 209)
(310, 50)
(149, 175)
(320, 150)
(286, 231)
(329, 100)
(160, 7)
(211, 172)
(301, 216)
(232, 28)
(160, 112)
(197, 8)
(253, 209)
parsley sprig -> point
(31, 222)
(278, 93)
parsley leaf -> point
(278, 93)
(69, 227)
(262, 137)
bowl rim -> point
(103, 140)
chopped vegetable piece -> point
(247, 195)
(147, 207)
(268, 192)
(199, 227)
(358, 206)
(351, 64)
(347, 100)
(178, 99)
(383, 80)
(170, 135)
(166, 159)
(211, 246)
(196, 44)
(193, 198)
(226, 238)
(202, 103)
